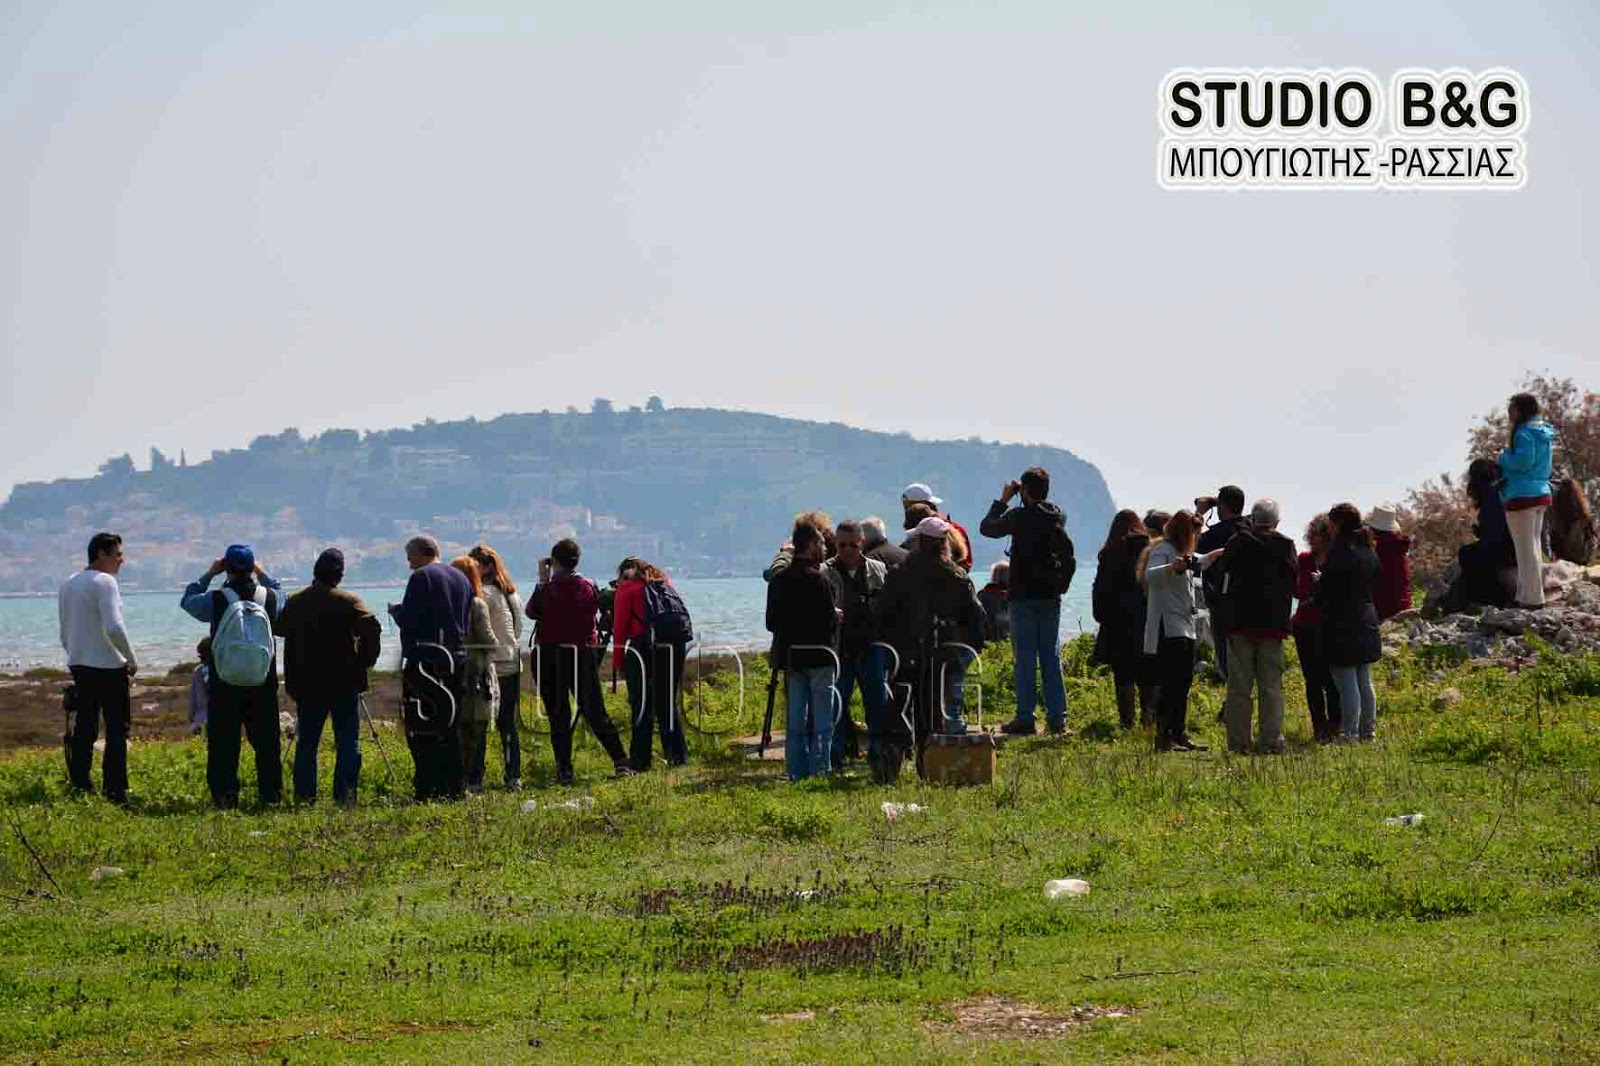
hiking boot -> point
(1056, 730)
(1018, 728)
(565, 776)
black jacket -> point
(330, 641)
(1217, 536)
(924, 589)
(1034, 530)
(801, 610)
(1344, 592)
(1119, 601)
(1259, 568)
(890, 555)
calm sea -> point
(728, 612)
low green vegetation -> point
(1239, 908)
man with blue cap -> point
(244, 672)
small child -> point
(200, 688)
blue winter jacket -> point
(1525, 466)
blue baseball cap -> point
(239, 557)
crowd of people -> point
(848, 610)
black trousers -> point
(1322, 695)
(436, 764)
(665, 693)
(563, 676)
(254, 713)
(1175, 670)
(508, 723)
(102, 694)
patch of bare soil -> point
(1001, 1017)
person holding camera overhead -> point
(1168, 570)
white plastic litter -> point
(100, 873)
(892, 811)
(582, 803)
(1063, 887)
(257, 833)
(529, 806)
(1404, 819)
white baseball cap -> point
(917, 492)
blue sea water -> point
(727, 612)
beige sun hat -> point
(1385, 518)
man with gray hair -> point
(1258, 580)
(433, 619)
(875, 543)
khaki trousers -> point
(1255, 664)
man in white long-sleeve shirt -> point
(102, 665)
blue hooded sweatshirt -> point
(1525, 466)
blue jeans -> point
(1036, 639)
(1358, 703)
(869, 670)
(808, 736)
(346, 714)
(954, 669)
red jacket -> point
(1392, 593)
(627, 618)
(565, 608)
(1308, 613)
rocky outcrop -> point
(1569, 621)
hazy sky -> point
(940, 218)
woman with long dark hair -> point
(1525, 489)
(1322, 696)
(1119, 608)
(1572, 531)
(1168, 568)
(1350, 639)
(505, 617)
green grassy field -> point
(1240, 908)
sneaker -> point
(1061, 730)
(624, 770)
(1018, 728)
(565, 776)
(514, 784)
(1184, 743)
(1164, 746)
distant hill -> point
(702, 491)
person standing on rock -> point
(244, 674)
(1258, 578)
(1525, 489)
(1350, 638)
(102, 663)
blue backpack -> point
(665, 615)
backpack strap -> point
(221, 599)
